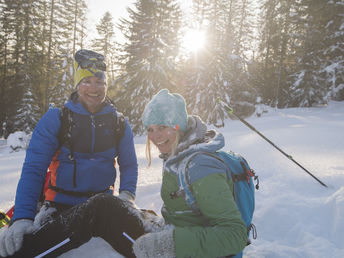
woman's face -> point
(162, 136)
(92, 92)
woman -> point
(217, 230)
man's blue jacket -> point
(94, 151)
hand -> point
(11, 238)
(127, 196)
(151, 245)
(151, 221)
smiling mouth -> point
(162, 143)
(93, 94)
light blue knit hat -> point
(166, 109)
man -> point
(82, 164)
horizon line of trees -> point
(281, 53)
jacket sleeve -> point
(41, 149)
(127, 162)
(226, 233)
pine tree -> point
(78, 10)
(64, 86)
(203, 71)
(37, 39)
(220, 69)
(27, 114)
(6, 22)
(59, 38)
(148, 60)
(73, 17)
(309, 87)
(240, 23)
(105, 30)
(105, 44)
(334, 48)
(16, 14)
(275, 33)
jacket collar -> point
(74, 105)
(196, 138)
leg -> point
(103, 216)
(112, 217)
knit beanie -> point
(166, 109)
(88, 63)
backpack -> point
(67, 124)
(242, 176)
(64, 135)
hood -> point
(196, 138)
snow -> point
(18, 140)
(295, 216)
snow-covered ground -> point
(295, 216)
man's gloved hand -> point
(151, 245)
(127, 196)
(11, 238)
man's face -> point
(92, 93)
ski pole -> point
(129, 238)
(230, 111)
(68, 240)
(53, 248)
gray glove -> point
(11, 238)
(151, 245)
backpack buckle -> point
(250, 173)
(176, 194)
(71, 157)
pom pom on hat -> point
(166, 109)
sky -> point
(118, 9)
(97, 9)
(295, 216)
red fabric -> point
(9, 213)
(51, 175)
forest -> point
(278, 53)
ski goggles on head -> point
(88, 63)
(96, 64)
(87, 59)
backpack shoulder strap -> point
(119, 127)
(119, 123)
(183, 179)
(184, 183)
(66, 118)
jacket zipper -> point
(93, 126)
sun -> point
(193, 40)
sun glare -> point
(194, 40)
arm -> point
(127, 162)
(227, 233)
(41, 149)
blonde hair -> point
(173, 148)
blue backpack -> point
(241, 175)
